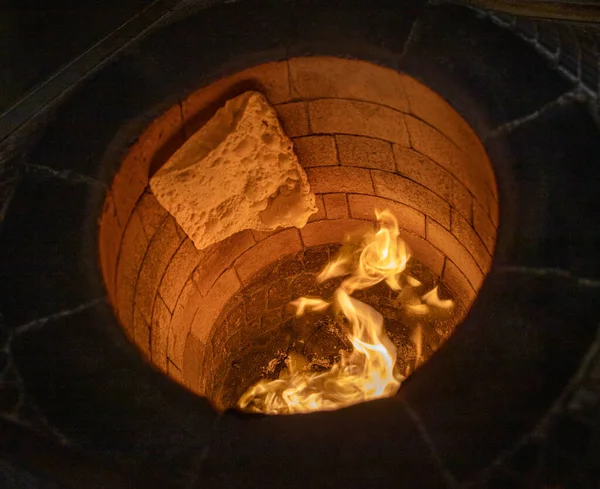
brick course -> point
(333, 231)
(160, 251)
(181, 323)
(214, 301)
(465, 233)
(424, 252)
(267, 251)
(484, 226)
(331, 116)
(405, 191)
(294, 119)
(461, 286)
(316, 151)
(130, 182)
(364, 206)
(327, 77)
(271, 79)
(133, 250)
(365, 152)
(161, 324)
(448, 244)
(339, 179)
(423, 170)
(151, 212)
(141, 332)
(182, 264)
(336, 206)
(321, 212)
(462, 200)
(218, 257)
(193, 357)
(430, 107)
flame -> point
(304, 304)
(417, 339)
(420, 309)
(367, 371)
(432, 298)
(412, 281)
(335, 268)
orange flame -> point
(365, 373)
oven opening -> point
(299, 236)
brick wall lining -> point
(258, 324)
(368, 138)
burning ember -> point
(368, 370)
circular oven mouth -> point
(369, 138)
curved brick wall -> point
(368, 138)
(258, 327)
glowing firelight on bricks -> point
(367, 371)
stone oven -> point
(368, 137)
(125, 349)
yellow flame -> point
(417, 339)
(420, 309)
(304, 304)
(367, 371)
(412, 281)
(335, 268)
(432, 298)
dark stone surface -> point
(31, 460)
(545, 226)
(94, 387)
(9, 173)
(138, 88)
(12, 477)
(500, 367)
(473, 64)
(342, 449)
(48, 245)
(51, 35)
(377, 34)
(38, 103)
(574, 47)
(571, 455)
(10, 395)
(500, 479)
(524, 460)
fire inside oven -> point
(317, 310)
